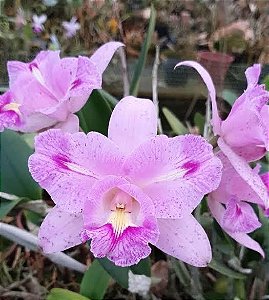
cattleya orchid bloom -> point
(242, 137)
(128, 190)
(38, 22)
(228, 204)
(246, 128)
(71, 27)
(41, 98)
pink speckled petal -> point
(217, 211)
(216, 121)
(132, 122)
(186, 240)
(102, 56)
(239, 217)
(175, 172)
(244, 170)
(67, 165)
(60, 230)
(15, 69)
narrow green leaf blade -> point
(6, 206)
(57, 294)
(15, 177)
(95, 114)
(94, 282)
(142, 268)
(134, 86)
(120, 274)
(174, 122)
(221, 268)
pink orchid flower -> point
(229, 206)
(254, 121)
(38, 22)
(246, 128)
(49, 90)
(265, 180)
(128, 190)
(71, 27)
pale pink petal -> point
(245, 171)
(253, 74)
(70, 125)
(133, 121)
(60, 230)
(102, 56)
(217, 211)
(67, 165)
(232, 184)
(239, 217)
(87, 78)
(175, 172)
(216, 121)
(15, 68)
(186, 240)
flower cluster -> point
(243, 137)
(49, 90)
(134, 188)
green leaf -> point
(120, 274)
(266, 82)
(15, 177)
(199, 121)
(223, 269)
(95, 114)
(94, 282)
(142, 268)
(62, 294)
(112, 101)
(7, 205)
(229, 96)
(143, 54)
(174, 122)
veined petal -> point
(217, 211)
(216, 121)
(244, 170)
(252, 74)
(67, 165)
(71, 124)
(119, 219)
(186, 240)
(60, 230)
(133, 121)
(175, 172)
(102, 56)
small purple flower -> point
(126, 191)
(38, 22)
(71, 27)
(51, 89)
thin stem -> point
(126, 85)
(155, 85)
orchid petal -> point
(103, 55)
(252, 74)
(186, 240)
(71, 124)
(217, 211)
(175, 172)
(246, 173)
(133, 121)
(60, 230)
(67, 165)
(216, 121)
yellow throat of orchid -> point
(120, 219)
(13, 106)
